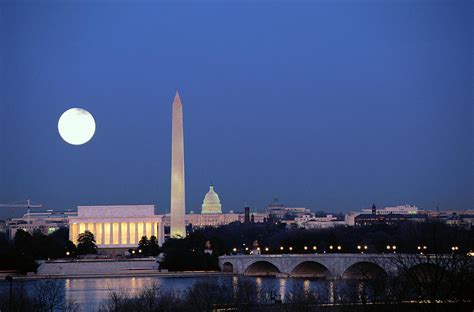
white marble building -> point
(117, 226)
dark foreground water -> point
(90, 293)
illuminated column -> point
(73, 236)
(153, 229)
(82, 228)
(133, 233)
(124, 233)
(119, 234)
(128, 233)
(178, 228)
(140, 230)
(148, 229)
(107, 234)
(102, 233)
(116, 233)
(137, 234)
(98, 233)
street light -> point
(281, 247)
(339, 247)
(266, 249)
(365, 247)
(290, 248)
(67, 253)
(314, 248)
(455, 248)
(331, 247)
(234, 249)
(305, 247)
(359, 247)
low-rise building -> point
(373, 219)
(400, 209)
(117, 228)
(311, 222)
(45, 222)
(277, 211)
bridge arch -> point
(228, 267)
(364, 270)
(310, 269)
(262, 268)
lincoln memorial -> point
(117, 227)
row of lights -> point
(339, 247)
(421, 248)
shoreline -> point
(122, 274)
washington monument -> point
(178, 228)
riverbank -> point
(119, 275)
(106, 268)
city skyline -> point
(366, 111)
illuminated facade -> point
(44, 221)
(117, 226)
(211, 203)
(400, 209)
(218, 219)
(178, 209)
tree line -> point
(21, 253)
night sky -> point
(331, 105)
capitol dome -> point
(211, 203)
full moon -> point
(76, 126)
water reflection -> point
(90, 293)
(282, 288)
(331, 290)
(235, 285)
(306, 285)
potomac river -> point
(90, 293)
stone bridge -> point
(312, 265)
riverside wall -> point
(97, 267)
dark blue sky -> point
(330, 105)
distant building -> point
(410, 213)
(247, 214)
(350, 218)
(311, 222)
(117, 228)
(371, 219)
(211, 213)
(373, 215)
(215, 220)
(45, 222)
(3, 226)
(277, 211)
(400, 209)
(463, 218)
(211, 203)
